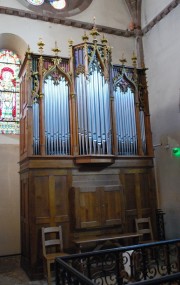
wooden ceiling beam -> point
(134, 7)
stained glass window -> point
(9, 92)
(36, 2)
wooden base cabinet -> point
(85, 200)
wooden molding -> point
(64, 21)
(160, 16)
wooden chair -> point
(52, 244)
(143, 226)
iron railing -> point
(152, 263)
(160, 224)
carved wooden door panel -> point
(87, 207)
(98, 206)
(111, 208)
(139, 192)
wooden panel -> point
(145, 190)
(111, 205)
(48, 198)
(41, 185)
(25, 239)
(95, 179)
(98, 199)
(98, 206)
(21, 137)
(129, 184)
(87, 207)
(61, 198)
(132, 197)
(139, 195)
(51, 198)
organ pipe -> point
(125, 122)
(57, 134)
(93, 101)
(72, 108)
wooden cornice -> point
(64, 21)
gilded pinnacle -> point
(28, 49)
(134, 59)
(123, 60)
(41, 45)
(104, 40)
(70, 42)
(56, 50)
(85, 37)
(94, 32)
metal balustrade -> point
(152, 263)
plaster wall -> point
(161, 49)
(31, 30)
(151, 8)
(105, 13)
(9, 195)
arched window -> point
(9, 92)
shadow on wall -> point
(166, 135)
(13, 43)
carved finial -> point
(41, 45)
(85, 37)
(134, 59)
(94, 32)
(109, 49)
(70, 42)
(104, 40)
(56, 50)
(123, 60)
(143, 65)
(28, 50)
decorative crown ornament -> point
(123, 60)
(41, 45)
(94, 32)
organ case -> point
(86, 156)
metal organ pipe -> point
(107, 133)
(93, 108)
(89, 119)
(35, 128)
(125, 122)
(93, 105)
(57, 134)
(143, 136)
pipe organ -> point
(93, 100)
(86, 156)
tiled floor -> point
(12, 274)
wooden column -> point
(41, 108)
(73, 108)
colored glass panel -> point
(60, 4)
(36, 2)
(9, 92)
